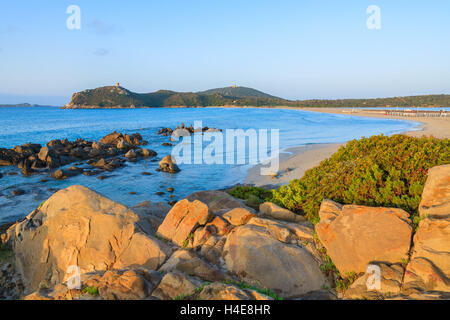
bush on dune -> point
(376, 171)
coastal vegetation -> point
(119, 97)
(376, 171)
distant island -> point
(21, 105)
(110, 97)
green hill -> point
(118, 97)
(237, 92)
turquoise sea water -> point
(40, 125)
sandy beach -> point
(294, 162)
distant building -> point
(234, 86)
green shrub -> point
(375, 171)
(93, 291)
(5, 253)
(246, 192)
(243, 285)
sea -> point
(42, 124)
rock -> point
(67, 173)
(187, 261)
(359, 235)
(212, 250)
(429, 269)
(123, 145)
(436, 193)
(329, 210)
(151, 215)
(165, 131)
(17, 192)
(111, 138)
(271, 210)
(77, 226)
(124, 284)
(146, 153)
(176, 285)
(170, 189)
(167, 164)
(284, 231)
(9, 157)
(218, 226)
(218, 202)
(251, 253)
(222, 291)
(390, 283)
(97, 145)
(131, 154)
(183, 219)
(201, 235)
(238, 216)
(49, 155)
(180, 133)
(159, 209)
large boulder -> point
(252, 254)
(111, 138)
(429, 269)
(78, 227)
(183, 219)
(436, 193)
(357, 235)
(167, 164)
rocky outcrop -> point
(436, 193)
(32, 158)
(356, 235)
(429, 268)
(183, 219)
(77, 226)
(255, 256)
(211, 246)
(183, 131)
(167, 164)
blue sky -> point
(293, 49)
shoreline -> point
(294, 162)
(299, 159)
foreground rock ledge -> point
(356, 235)
(78, 227)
